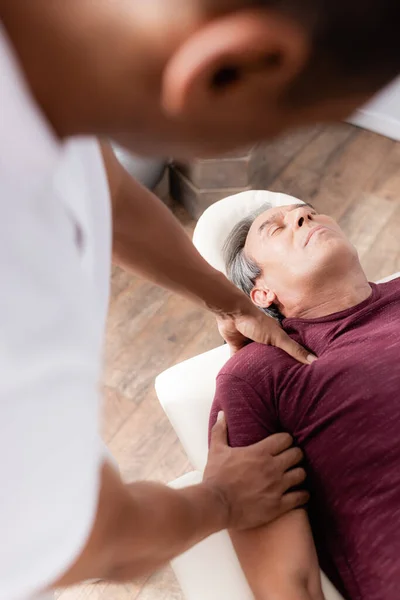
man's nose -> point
(300, 217)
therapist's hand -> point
(253, 481)
(251, 324)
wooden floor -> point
(346, 172)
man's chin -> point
(334, 254)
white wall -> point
(383, 113)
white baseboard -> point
(378, 122)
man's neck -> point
(325, 298)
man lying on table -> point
(343, 410)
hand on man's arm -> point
(149, 241)
(141, 526)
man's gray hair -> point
(242, 270)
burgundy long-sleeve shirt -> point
(344, 412)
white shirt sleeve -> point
(50, 452)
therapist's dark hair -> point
(355, 45)
(242, 270)
(356, 41)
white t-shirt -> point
(55, 254)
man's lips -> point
(312, 231)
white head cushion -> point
(220, 218)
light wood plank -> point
(383, 256)
(146, 445)
(132, 370)
(345, 168)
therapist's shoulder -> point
(255, 362)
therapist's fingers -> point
(275, 444)
(259, 327)
(283, 341)
(293, 478)
(293, 500)
(289, 458)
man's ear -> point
(263, 297)
(234, 60)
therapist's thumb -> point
(283, 341)
(219, 433)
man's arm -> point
(148, 240)
(140, 526)
(280, 560)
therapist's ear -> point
(233, 61)
(263, 298)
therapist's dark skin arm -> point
(140, 526)
(150, 241)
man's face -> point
(296, 248)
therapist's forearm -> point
(170, 522)
(149, 240)
(141, 526)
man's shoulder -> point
(256, 361)
(389, 284)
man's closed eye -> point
(276, 230)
